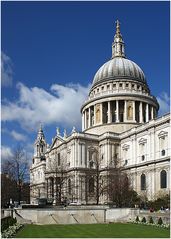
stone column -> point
(85, 119)
(94, 114)
(109, 113)
(83, 155)
(117, 111)
(125, 111)
(89, 117)
(82, 121)
(147, 113)
(101, 113)
(47, 187)
(55, 190)
(140, 110)
(152, 112)
(134, 111)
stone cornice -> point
(147, 163)
(122, 96)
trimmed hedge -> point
(151, 220)
(144, 220)
(6, 222)
(160, 221)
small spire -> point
(118, 43)
(118, 28)
(40, 134)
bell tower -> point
(40, 145)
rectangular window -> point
(143, 157)
(163, 152)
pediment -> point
(142, 141)
(57, 141)
(162, 134)
(125, 147)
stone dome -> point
(119, 68)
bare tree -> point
(95, 179)
(119, 186)
(17, 169)
(58, 174)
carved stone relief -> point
(130, 110)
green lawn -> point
(92, 230)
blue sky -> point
(51, 51)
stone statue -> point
(57, 131)
(98, 113)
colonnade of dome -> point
(117, 111)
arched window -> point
(163, 179)
(143, 182)
(69, 186)
(91, 185)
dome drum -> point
(115, 87)
(117, 111)
(119, 94)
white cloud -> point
(6, 153)
(17, 136)
(164, 102)
(6, 70)
(61, 105)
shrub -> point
(11, 230)
(151, 220)
(6, 222)
(144, 220)
(137, 219)
(160, 221)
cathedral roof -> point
(119, 68)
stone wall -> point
(76, 216)
(83, 216)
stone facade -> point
(119, 121)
